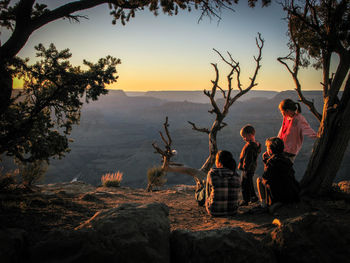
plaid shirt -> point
(222, 189)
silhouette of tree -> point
(53, 88)
(318, 30)
(200, 174)
(23, 17)
(36, 124)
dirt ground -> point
(67, 205)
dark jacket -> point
(279, 176)
(248, 157)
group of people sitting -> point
(276, 186)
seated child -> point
(277, 184)
(222, 186)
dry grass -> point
(112, 179)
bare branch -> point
(260, 44)
(294, 73)
(194, 127)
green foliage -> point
(156, 177)
(39, 119)
(318, 28)
(32, 172)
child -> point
(294, 127)
(248, 163)
(278, 184)
(222, 186)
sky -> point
(175, 52)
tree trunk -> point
(213, 148)
(328, 151)
(5, 89)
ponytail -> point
(288, 104)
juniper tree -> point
(319, 33)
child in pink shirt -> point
(294, 127)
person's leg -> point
(261, 189)
(245, 188)
(252, 194)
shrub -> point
(7, 179)
(32, 172)
(112, 179)
(156, 177)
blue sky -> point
(175, 52)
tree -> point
(39, 118)
(318, 31)
(36, 122)
(220, 114)
(23, 17)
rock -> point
(90, 198)
(220, 245)
(12, 245)
(127, 233)
(67, 188)
(312, 237)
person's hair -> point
(288, 104)
(226, 159)
(247, 129)
(275, 144)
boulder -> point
(312, 237)
(219, 245)
(127, 233)
(13, 243)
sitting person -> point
(277, 184)
(222, 186)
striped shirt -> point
(222, 189)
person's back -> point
(223, 187)
(279, 176)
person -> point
(222, 186)
(248, 163)
(294, 127)
(277, 184)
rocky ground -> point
(67, 206)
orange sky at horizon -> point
(175, 52)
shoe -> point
(243, 203)
(263, 205)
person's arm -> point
(241, 159)
(306, 128)
(280, 131)
(208, 186)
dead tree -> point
(200, 174)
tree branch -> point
(194, 127)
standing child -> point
(248, 163)
(294, 127)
